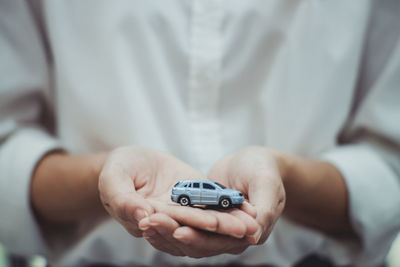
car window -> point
(196, 185)
(223, 187)
(177, 184)
(186, 185)
(208, 186)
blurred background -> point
(393, 258)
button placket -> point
(204, 83)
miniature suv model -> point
(189, 192)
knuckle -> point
(213, 223)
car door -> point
(209, 194)
(195, 193)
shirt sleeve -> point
(369, 154)
(23, 139)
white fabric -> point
(200, 79)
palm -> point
(154, 175)
(135, 188)
(144, 175)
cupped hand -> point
(135, 186)
(228, 236)
(254, 171)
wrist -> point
(95, 166)
(316, 194)
(64, 187)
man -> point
(293, 103)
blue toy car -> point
(190, 192)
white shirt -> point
(200, 79)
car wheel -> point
(184, 201)
(225, 203)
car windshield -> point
(220, 185)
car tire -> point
(225, 202)
(184, 201)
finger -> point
(161, 222)
(267, 195)
(250, 222)
(201, 244)
(206, 219)
(249, 209)
(159, 229)
(195, 217)
(113, 180)
(132, 229)
(118, 195)
(131, 207)
(229, 224)
(158, 241)
(269, 206)
(256, 237)
(261, 235)
(129, 210)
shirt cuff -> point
(19, 154)
(374, 201)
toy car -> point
(190, 192)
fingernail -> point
(154, 223)
(144, 224)
(139, 214)
(211, 229)
(181, 238)
(257, 237)
(237, 236)
(177, 236)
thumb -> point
(268, 198)
(131, 207)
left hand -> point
(255, 172)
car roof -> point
(197, 181)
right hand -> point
(136, 182)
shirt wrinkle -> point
(201, 79)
